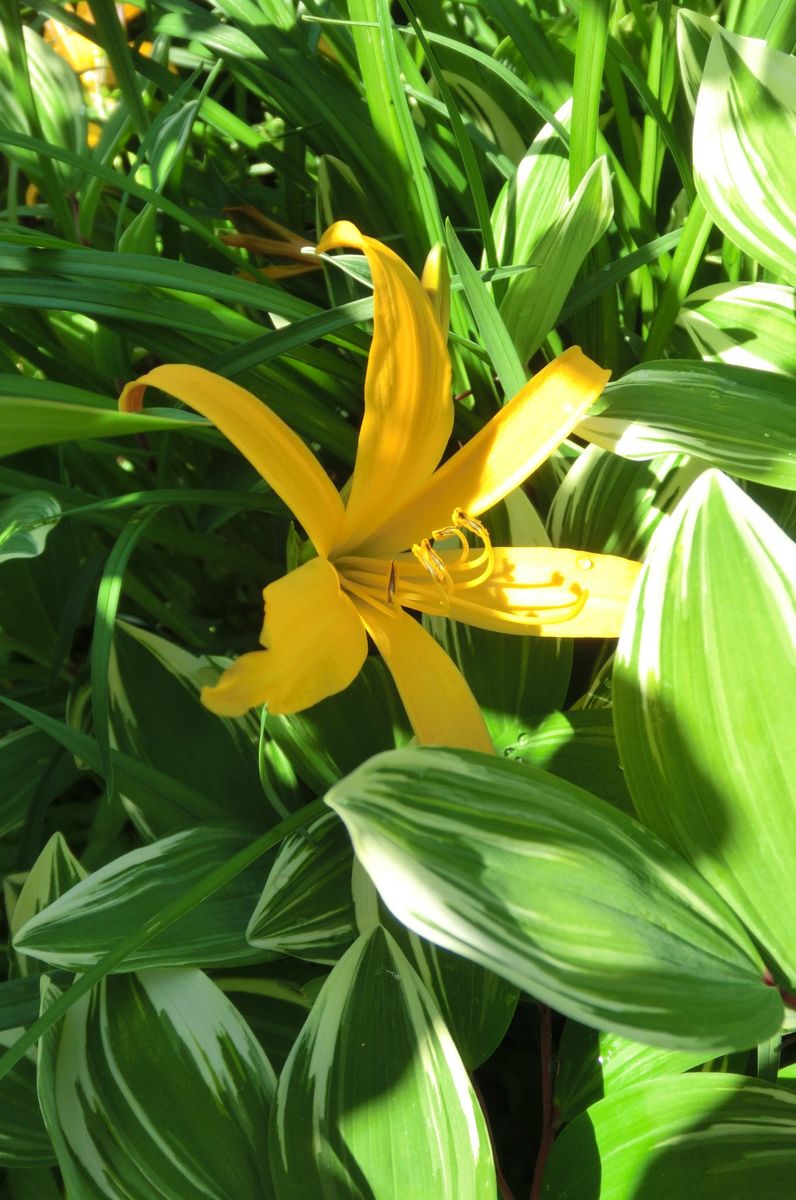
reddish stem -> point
(548, 1107)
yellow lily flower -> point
(380, 552)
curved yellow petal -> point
(271, 446)
(314, 641)
(441, 708)
(408, 406)
(549, 592)
(499, 457)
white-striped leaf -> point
(25, 522)
(748, 324)
(77, 929)
(745, 119)
(612, 505)
(559, 893)
(476, 1005)
(705, 704)
(306, 909)
(741, 420)
(593, 1064)
(535, 298)
(54, 872)
(695, 32)
(154, 1086)
(715, 1137)
(374, 1102)
(24, 1141)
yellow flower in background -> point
(386, 549)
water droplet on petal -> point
(585, 564)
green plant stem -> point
(156, 924)
(685, 262)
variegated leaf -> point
(559, 893)
(534, 299)
(25, 522)
(306, 909)
(715, 1137)
(745, 118)
(612, 505)
(748, 324)
(593, 1064)
(154, 1086)
(83, 924)
(55, 871)
(374, 1102)
(741, 420)
(705, 704)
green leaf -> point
(306, 909)
(745, 115)
(83, 924)
(153, 1085)
(25, 423)
(749, 325)
(25, 522)
(695, 32)
(156, 718)
(54, 872)
(593, 1064)
(612, 505)
(325, 742)
(24, 1141)
(374, 1101)
(732, 417)
(718, 1137)
(705, 704)
(559, 893)
(534, 300)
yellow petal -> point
(408, 407)
(314, 641)
(441, 708)
(550, 592)
(272, 448)
(512, 445)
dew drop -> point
(585, 564)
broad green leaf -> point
(374, 1101)
(79, 927)
(325, 742)
(153, 1085)
(25, 522)
(695, 32)
(559, 893)
(717, 1137)
(735, 418)
(534, 300)
(477, 1006)
(593, 1064)
(745, 116)
(156, 718)
(55, 871)
(579, 745)
(612, 505)
(306, 909)
(750, 325)
(24, 1141)
(705, 704)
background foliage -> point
(577, 976)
